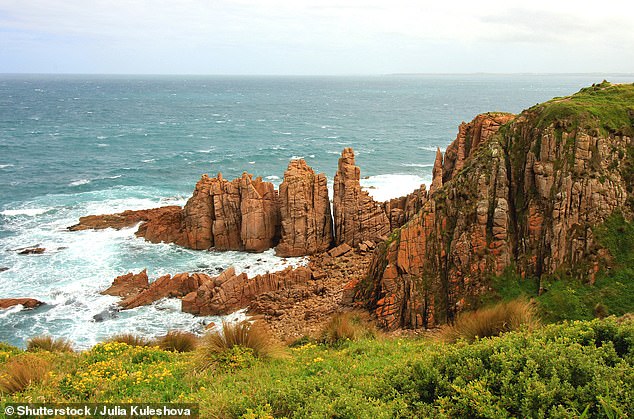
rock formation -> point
(228, 215)
(230, 292)
(306, 226)
(25, 302)
(357, 216)
(470, 136)
(524, 195)
(128, 285)
(121, 220)
(166, 286)
(401, 210)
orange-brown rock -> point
(164, 226)
(437, 171)
(121, 220)
(128, 285)
(357, 216)
(166, 286)
(260, 214)
(470, 136)
(401, 210)
(25, 302)
(525, 197)
(230, 292)
(306, 222)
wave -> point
(79, 182)
(4, 166)
(31, 212)
(432, 149)
(102, 145)
(206, 151)
(273, 177)
(385, 187)
(417, 164)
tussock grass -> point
(22, 371)
(129, 339)
(236, 340)
(177, 341)
(347, 326)
(491, 321)
(48, 343)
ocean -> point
(79, 145)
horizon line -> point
(406, 74)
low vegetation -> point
(129, 339)
(22, 371)
(48, 343)
(236, 345)
(572, 369)
(492, 321)
(347, 326)
(177, 341)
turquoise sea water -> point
(79, 145)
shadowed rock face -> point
(525, 195)
(306, 226)
(357, 216)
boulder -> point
(340, 250)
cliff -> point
(521, 193)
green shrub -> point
(48, 343)
(491, 321)
(558, 371)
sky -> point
(315, 37)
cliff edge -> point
(512, 192)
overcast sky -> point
(315, 36)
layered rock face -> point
(401, 210)
(357, 216)
(230, 292)
(306, 226)
(166, 286)
(525, 196)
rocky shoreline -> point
(521, 192)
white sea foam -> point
(209, 150)
(384, 187)
(102, 145)
(433, 149)
(78, 265)
(148, 160)
(79, 182)
(3, 166)
(251, 162)
(273, 177)
(31, 212)
(101, 137)
(417, 164)
(297, 157)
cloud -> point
(211, 34)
